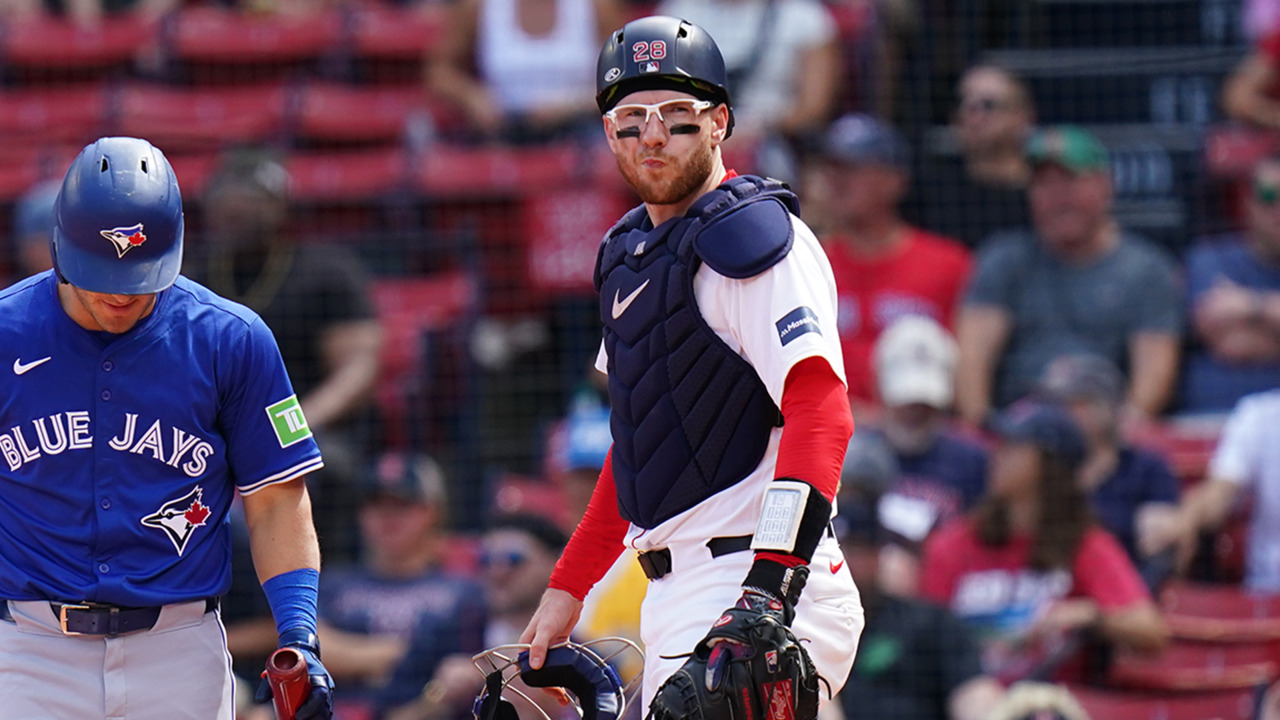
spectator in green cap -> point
(1072, 283)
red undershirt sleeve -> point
(597, 541)
(817, 424)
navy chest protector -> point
(690, 417)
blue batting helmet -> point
(661, 53)
(117, 222)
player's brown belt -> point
(102, 619)
(657, 563)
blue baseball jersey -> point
(120, 455)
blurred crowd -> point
(1016, 356)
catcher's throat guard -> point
(582, 669)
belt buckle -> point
(62, 617)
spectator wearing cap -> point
(1132, 491)
(1029, 567)
(940, 474)
(1233, 288)
(315, 298)
(518, 552)
(400, 594)
(1074, 282)
(916, 660)
(983, 189)
(32, 227)
(884, 268)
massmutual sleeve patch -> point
(796, 323)
(288, 422)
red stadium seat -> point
(202, 119)
(69, 113)
(383, 32)
(409, 307)
(355, 113)
(1197, 667)
(52, 43)
(215, 35)
(1121, 705)
(497, 172)
(1187, 445)
(24, 165)
(345, 176)
(192, 170)
(518, 494)
(563, 229)
(1220, 613)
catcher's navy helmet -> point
(117, 222)
(661, 53)
(593, 683)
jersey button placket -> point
(108, 366)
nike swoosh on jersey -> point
(836, 566)
(621, 307)
(19, 368)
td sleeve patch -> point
(288, 422)
(796, 323)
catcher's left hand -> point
(749, 667)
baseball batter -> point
(729, 411)
(136, 405)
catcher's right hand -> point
(749, 667)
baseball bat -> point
(287, 673)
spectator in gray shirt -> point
(1073, 283)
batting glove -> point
(319, 702)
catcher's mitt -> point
(749, 667)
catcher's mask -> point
(581, 669)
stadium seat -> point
(519, 494)
(1187, 445)
(383, 31)
(494, 172)
(387, 44)
(24, 165)
(1088, 23)
(1220, 613)
(1197, 667)
(60, 48)
(339, 112)
(1120, 705)
(215, 35)
(193, 170)
(345, 176)
(564, 228)
(67, 113)
(409, 308)
(1164, 85)
(178, 119)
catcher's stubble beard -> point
(689, 171)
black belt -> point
(657, 563)
(103, 619)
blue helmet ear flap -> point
(580, 671)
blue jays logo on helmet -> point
(179, 518)
(125, 238)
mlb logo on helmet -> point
(649, 67)
(125, 238)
